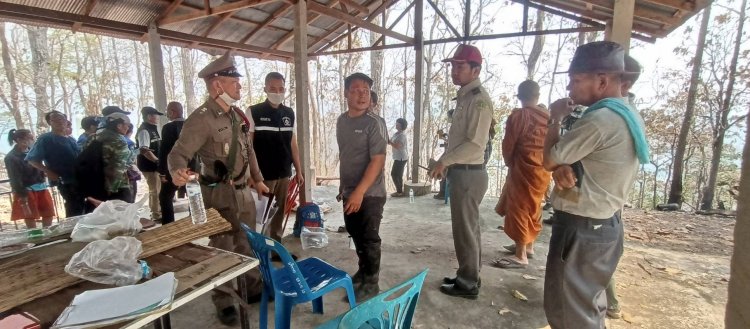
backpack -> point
(308, 215)
(89, 171)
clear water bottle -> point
(195, 198)
(411, 195)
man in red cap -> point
(463, 163)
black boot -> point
(457, 290)
(366, 291)
(449, 280)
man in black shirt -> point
(169, 133)
(272, 127)
(148, 140)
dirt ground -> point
(673, 274)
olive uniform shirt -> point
(207, 132)
(470, 126)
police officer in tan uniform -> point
(217, 132)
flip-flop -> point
(507, 263)
(511, 248)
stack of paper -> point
(107, 306)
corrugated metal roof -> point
(228, 24)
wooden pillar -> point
(418, 81)
(157, 73)
(620, 27)
(301, 97)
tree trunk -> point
(557, 59)
(376, 69)
(654, 201)
(40, 67)
(536, 49)
(118, 75)
(675, 193)
(169, 79)
(188, 75)
(80, 68)
(63, 82)
(738, 304)
(139, 76)
(718, 145)
(11, 103)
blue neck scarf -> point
(618, 106)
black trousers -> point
(397, 173)
(364, 228)
(166, 196)
(74, 201)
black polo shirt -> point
(273, 130)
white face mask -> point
(229, 100)
(274, 98)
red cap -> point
(466, 53)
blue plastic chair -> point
(294, 282)
(384, 310)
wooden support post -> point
(467, 20)
(301, 82)
(621, 25)
(157, 72)
(418, 80)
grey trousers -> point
(467, 188)
(583, 256)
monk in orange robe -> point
(527, 179)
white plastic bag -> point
(110, 219)
(313, 237)
(109, 262)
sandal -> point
(508, 263)
(511, 248)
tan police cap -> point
(220, 67)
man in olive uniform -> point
(464, 162)
(217, 131)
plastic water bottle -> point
(195, 198)
(411, 195)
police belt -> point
(213, 181)
(460, 166)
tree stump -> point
(419, 188)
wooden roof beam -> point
(378, 12)
(641, 13)
(310, 20)
(280, 12)
(689, 5)
(592, 18)
(351, 3)
(222, 18)
(442, 16)
(86, 12)
(314, 6)
(208, 11)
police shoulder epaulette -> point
(476, 91)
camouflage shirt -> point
(117, 157)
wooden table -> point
(198, 269)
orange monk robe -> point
(527, 180)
